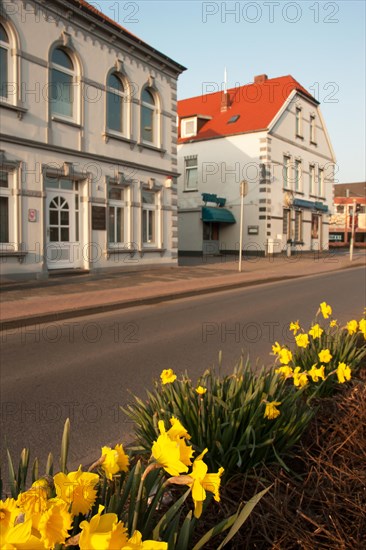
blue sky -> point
(320, 43)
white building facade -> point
(88, 156)
(279, 145)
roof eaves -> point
(104, 19)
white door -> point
(63, 248)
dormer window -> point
(189, 127)
(233, 119)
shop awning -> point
(219, 215)
(301, 203)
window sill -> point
(313, 143)
(144, 250)
(299, 193)
(120, 250)
(144, 145)
(107, 135)
(300, 136)
(190, 190)
(71, 123)
(19, 110)
(13, 254)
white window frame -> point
(188, 170)
(313, 129)
(298, 229)
(286, 174)
(146, 208)
(75, 89)
(7, 47)
(155, 117)
(184, 123)
(321, 182)
(116, 204)
(312, 183)
(286, 227)
(124, 111)
(298, 127)
(298, 176)
(7, 192)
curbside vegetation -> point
(165, 493)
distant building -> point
(88, 158)
(270, 133)
(348, 198)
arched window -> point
(148, 116)
(116, 112)
(4, 62)
(62, 84)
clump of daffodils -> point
(325, 351)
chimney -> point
(225, 102)
(259, 79)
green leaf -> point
(12, 478)
(184, 533)
(243, 516)
(65, 446)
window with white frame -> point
(298, 226)
(116, 102)
(312, 188)
(6, 207)
(299, 121)
(63, 78)
(286, 172)
(321, 182)
(191, 173)
(4, 63)
(116, 215)
(297, 177)
(148, 218)
(189, 127)
(312, 129)
(287, 223)
(148, 117)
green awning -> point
(219, 215)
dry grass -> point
(321, 505)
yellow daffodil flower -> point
(362, 327)
(271, 411)
(325, 356)
(302, 340)
(9, 511)
(33, 503)
(316, 331)
(333, 323)
(166, 453)
(167, 376)
(285, 356)
(136, 543)
(201, 390)
(103, 532)
(325, 309)
(343, 373)
(300, 378)
(20, 537)
(55, 523)
(285, 371)
(77, 489)
(316, 373)
(115, 461)
(276, 348)
(352, 326)
(176, 431)
(295, 327)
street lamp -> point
(243, 192)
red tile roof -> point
(257, 104)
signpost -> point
(243, 192)
(352, 231)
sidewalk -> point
(72, 296)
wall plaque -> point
(99, 218)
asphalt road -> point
(84, 369)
